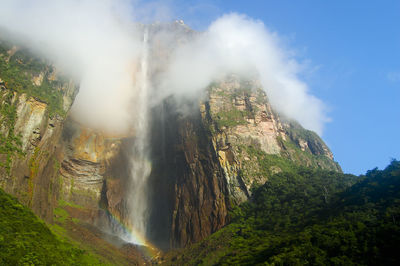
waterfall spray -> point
(137, 194)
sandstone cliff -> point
(246, 131)
(204, 159)
(207, 159)
(34, 103)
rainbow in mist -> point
(132, 236)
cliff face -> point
(245, 131)
(210, 157)
(86, 156)
(95, 172)
(189, 194)
(204, 159)
(46, 157)
(30, 128)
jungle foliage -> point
(26, 240)
(309, 217)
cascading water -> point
(137, 192)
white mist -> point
(137, 192)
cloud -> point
(98, 43)
(237, 44)
(92, 40)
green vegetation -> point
(26, 240)
(17, 72)
(260, 165)
(231, 118)
(266, 161)
(61, 219)
(69, 226)
(313, 154)
(305, 158)
(10, 144)
(296, 131)
(309, 216)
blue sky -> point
(352, 49)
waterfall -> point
(137, 192)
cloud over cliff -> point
(97, 42)
(92, 40)
(237, 44)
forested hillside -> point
(307, 216)
(26, 240)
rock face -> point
(204, 160)
(244, 128)
(209, 159)
(189, 192)
(30, 130)
(83, 166)
(94, 170)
